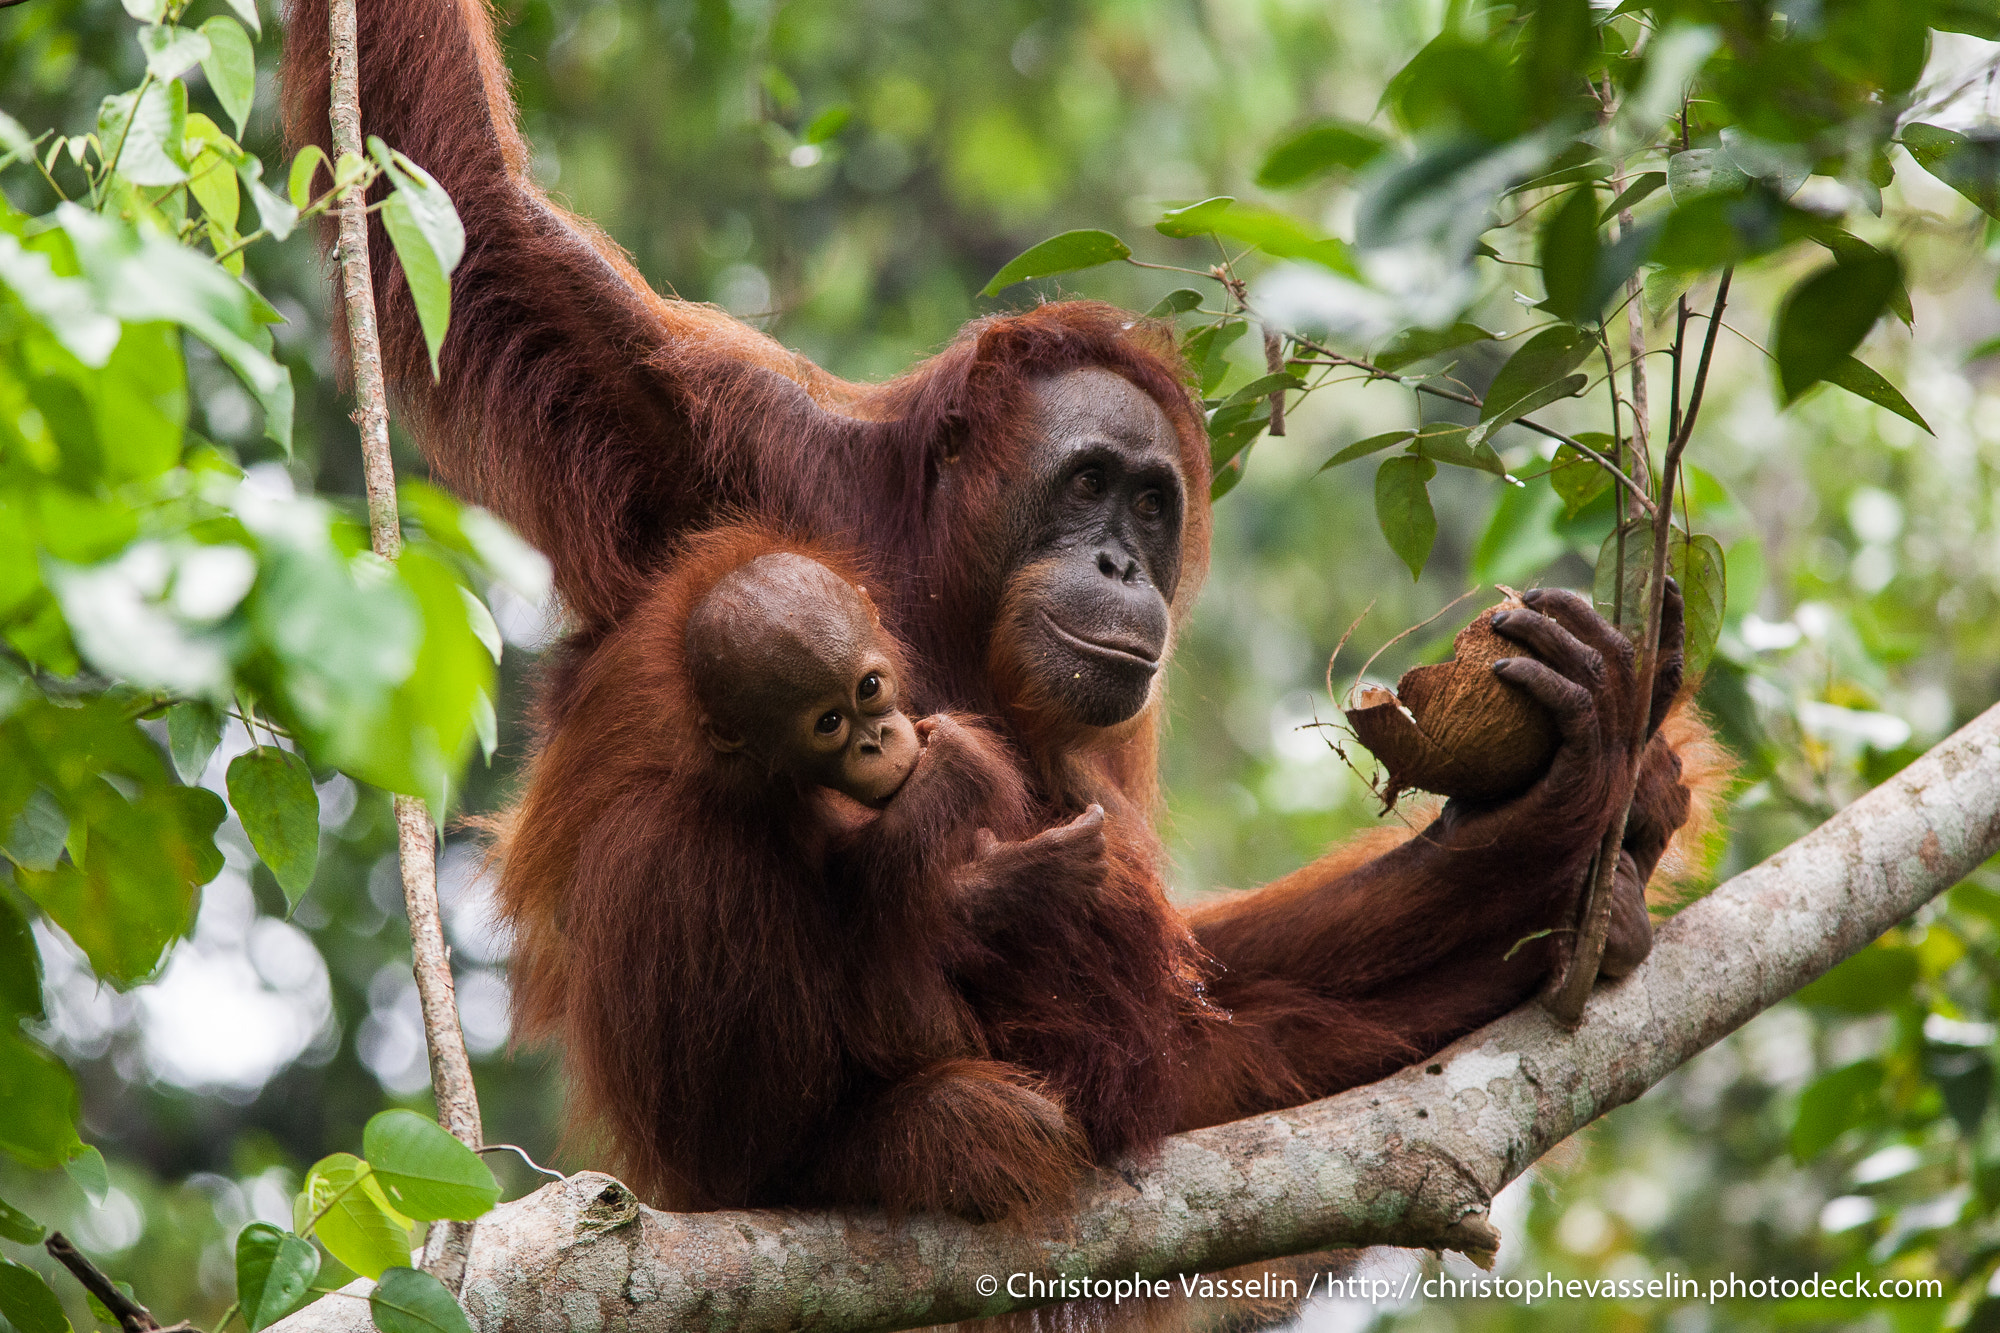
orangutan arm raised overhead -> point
(567, 398)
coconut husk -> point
(1456, 728)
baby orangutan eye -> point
(871, 685)
(828, 724)
(1148, 505)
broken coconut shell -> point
(1456, 728)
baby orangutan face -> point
(791, 666)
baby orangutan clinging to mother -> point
(801, 874)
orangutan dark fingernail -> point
(1500, 618)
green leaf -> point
(1704, 171)
(409, 1301)
(65, 306)
(1695, 563)
(194, 729)
(146, 11)
(1226, 478)
(231, 67)
(86, 1168)
(1449, 443)
(1196, 219)
(35, 842)
(1846, 244)
(481, 620)
(18, 1227)
(38, 1105)
(148, 141)
(273, 1270)
(1231, 429)
(1561, 41)
(212, 173)
(134, 893)
(20, 966)
(359, 1226)
(1568, 255)
(299, 184)
(172, 51)
(1825, 317)
(1086, 248)
(1315, 150)
(1206, 350)
(1834, 1103)
(1544, 360)
(272, 793)
(247, 11)
(1520, 407)
(1177, 302)
(1403, 508)
(1374, 444)
(1263, 387)
(1639, 189)
(1873, 981)
(1980, 18)
(430, 284)
(428, 1174)
(1968, 163)
(274, 211)
(827, 123)
(1413, 345)
(1577, 479)
(1862, 381)
(27, 1302)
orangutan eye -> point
(871, 685)
(828, 724)
(1090, 482)
(1148, 505)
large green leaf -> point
(357, 1223)
(38, 1105)
(1544, 360)
(1413, 345)
(1374, 444)
(18, 1227)
(407, 1300)
(1825, 317)
(1967, 163)
(273, 1270)
(20, 965)
(171, 51)
(272, 793)
(1579, 479)
(231, 67)
(27, 1302)
(1084, 248)
(35, 841)
(427, 1174)
(1568, 255)
(135, 891)
(1859, 379)
(1403, 508)
(1695, 563)
(1324, 146)
(194, 729)
(147, 142)
(1176, 302)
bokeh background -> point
(847, 173)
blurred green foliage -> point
(849, 174)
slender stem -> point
(1574, 989)
(446, 1247)
(132, 1317)
(1274, 362)
(124, 132)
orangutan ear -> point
(726, 744)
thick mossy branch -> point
(1412, 1160)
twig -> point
(448, 1243)
(1567, 1000)
(1274, 363)
(132, 1317)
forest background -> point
(849, 175)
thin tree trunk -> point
(448, 1243)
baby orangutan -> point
(796, 870)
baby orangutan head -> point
(792, 668)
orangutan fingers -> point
(1579, 617)
(1569, 703)
(1553, 644)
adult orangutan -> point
(1032, 502)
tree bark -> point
(1413, 1160)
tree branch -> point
(1412, 1160)
(446, 1246)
